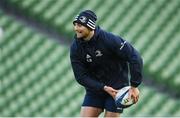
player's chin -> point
(79, 35)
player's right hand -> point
(110, 91)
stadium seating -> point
(144, 23)
(35, 73)
(35, 70)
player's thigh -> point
(87, 111)
(111, 114)
(111, 108)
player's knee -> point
(111, 114)
(90, 112)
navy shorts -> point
(103, 101)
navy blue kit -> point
(106, 59)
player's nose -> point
(75, 27)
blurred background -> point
(36, 78)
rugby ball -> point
(122, 99)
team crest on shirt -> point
(98, 53)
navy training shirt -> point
(104, 60)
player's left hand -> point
(134, 93)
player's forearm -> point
(111, 91)
(82, 76)
(136, 66)
(90, 83)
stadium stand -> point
(35, 73)
(144, 23)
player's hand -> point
(134, 93)
(110, 91)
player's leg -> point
(90, 111)
(92, 105)
(111, 114)
(111, 109)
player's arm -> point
(126, 52)
(81, 74)
(111, 91)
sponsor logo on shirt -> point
(88, 58)
(122, 45)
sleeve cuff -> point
(135, 84)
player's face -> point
(81, 31)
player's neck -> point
(91, 33)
